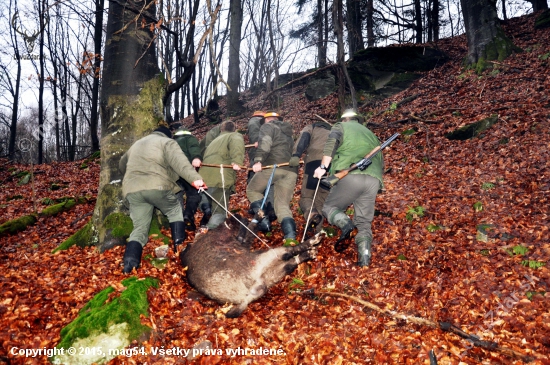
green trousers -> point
(142, 203)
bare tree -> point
(343, 76)
(486, 39)
(354, 25)
(234, 71)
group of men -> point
(159, 169)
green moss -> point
(81, 238)
(99, 313)
(497, 50)
(58, 208)
(120, 225)
(17, 225)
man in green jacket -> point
(348, 142)
(151, 168)
(311, 141)
(189, 144)
(274, 147)
(226, 149)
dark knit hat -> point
(164, 130)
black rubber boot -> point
(346, 225)
(178, 233)
(314, 222)
(207, 213)
(288, 225)
(270, 212)
(189, 223)
(364, 250)
(264, 225)
(132, 256)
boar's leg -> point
(256, 291)
(296, 250)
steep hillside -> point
(476, 255)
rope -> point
(223, 189)
(310, 209)
(201, 190)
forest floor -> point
(428, 261)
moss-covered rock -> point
(109, 322)
(401, 59)
(473, 129)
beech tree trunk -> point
(539, 5)
(98, 34)
(234, 71)
(486, 39)
(354, 25)
(370, 23)
(130, 104)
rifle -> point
(365, 162)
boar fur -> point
(221, 266)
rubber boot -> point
(346, 225)
(315, 222)
(270, 211)
(178, 233)
(216, 220)
(189, 223)
(288, 225)
(132, 256)
(264, 225)
(207, 210)
(364, 250)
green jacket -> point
(189, 144)
(348, 143)
(254, 125)
(155, 162)
(226, 149)
(275, 144)
(210, 136)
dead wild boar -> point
(221, 266)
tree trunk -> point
(131, 104)
(43, 6)
(15, 94)
(343, 76)
(538, 5)
(435, 20)
(418, 20)
(98, 34)
(234, 71)
(486, 39)
(321, 49)
(354, 25)
(370, 23)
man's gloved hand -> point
(199, 184)
(294, 161)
